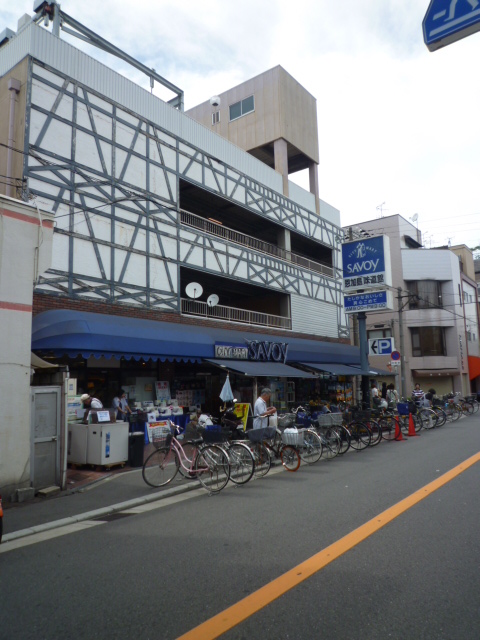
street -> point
(161, 570)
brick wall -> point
(44, 302)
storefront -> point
(106, 353)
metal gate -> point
(45, 430)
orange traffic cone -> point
(398, 432)
(411, 426)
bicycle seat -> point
(195, 441)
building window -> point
(376, 334)
(215, 117)
(425, 294)
(241, 108)
(428, 341)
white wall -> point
(22, 238)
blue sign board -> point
(447, 21)
(381, 347)
(364, 264)
(372, 301)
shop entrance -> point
(45, 436)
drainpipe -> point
(14, 88)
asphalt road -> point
(160, 573)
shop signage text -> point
(367, 301)
(268, 351)
(259, 350)
(234, 352)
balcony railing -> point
(232, 314)
(220, 231)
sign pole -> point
(362, 333)
(402, 345)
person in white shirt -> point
(89, 403)
(261, 409)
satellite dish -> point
(414, 218)
(212, 300)
(194, 290)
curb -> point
(104, 511)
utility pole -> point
(402, 343)
(362, 332)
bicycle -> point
(308, 443)
(242, 461)
(266, 444)
(209, 463)
(323, 427)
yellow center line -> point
(240, 611)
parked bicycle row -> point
(216, 452)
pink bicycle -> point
(209, 463)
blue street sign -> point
(365, 302)
(447, 21)
(381, 347)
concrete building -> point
(147, 201)
(429, 319)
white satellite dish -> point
(414, 218)
(212, 300)
(194, 290)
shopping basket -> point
(213, 433)
(286, 420)
(293, 437)
(160, 433)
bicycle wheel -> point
(212, 467)
(451, 413)
(289, 457)
(344, 434)
(376, 432)
(311, 451)
(160, 467)
(441, 417)
(429, 418)
(242, 463)
(388, 426)
(360, 435)
(467, 407)
(262, 458)
(331, 442)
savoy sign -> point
(366, 264)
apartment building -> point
(434, 322)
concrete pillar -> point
(280, 152)
(313, 175)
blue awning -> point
(76, 333)
(336, 369)
(258, 369)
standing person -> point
(374, 392)
(417, 394)
(89, 403)
(392, 396)
(120, 404)
(261, 410)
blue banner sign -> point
(366, 263)
(372, 301)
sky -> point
(398, 126)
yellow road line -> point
(237, 613)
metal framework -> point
(112, 179)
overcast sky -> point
(399, 127)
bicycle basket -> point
(293, 437)
(403, 408)
(160, 434)
(257, 435)
(286, 420)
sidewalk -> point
(89, 494)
